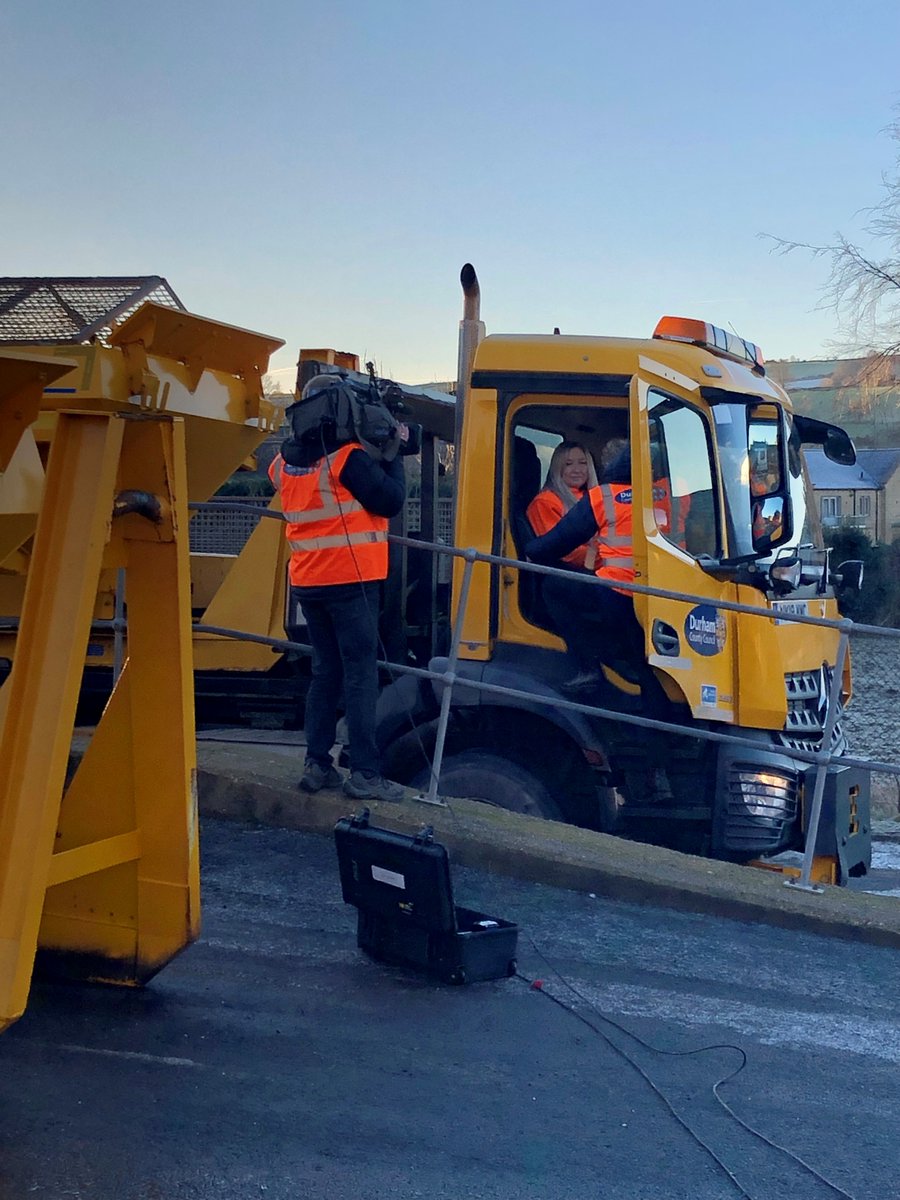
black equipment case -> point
(406, 915)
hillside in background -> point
(862, 395)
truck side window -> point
(683, 495)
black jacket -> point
(380, 487)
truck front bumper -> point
(763, 803)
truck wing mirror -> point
(834, 441)
(772, 523)
(849, 575)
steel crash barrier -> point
(448, 679)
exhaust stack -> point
(471, 331)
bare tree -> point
(863, 287)
(273, 386)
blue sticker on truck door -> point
(705, 630)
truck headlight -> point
(771, 794)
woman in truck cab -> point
(570, 476)
(597, 624)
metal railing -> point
(821, 758)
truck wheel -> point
(481, 775)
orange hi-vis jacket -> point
(545, 511)
(611, 504)
(333, 539)
(670, 511)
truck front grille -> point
(807, 705)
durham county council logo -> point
(705, 630)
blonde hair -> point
(554, 481)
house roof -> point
(880, 464)
(831, 476)
(73, 310)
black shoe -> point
(585, 683)
(316, 777)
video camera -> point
(335, 409)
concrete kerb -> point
(247, 783)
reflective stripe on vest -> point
(613, 519)
(332, 538)
(341, 539)
(608, 534)
(331, 506)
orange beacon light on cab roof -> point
(712, 338)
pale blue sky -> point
(320, 171)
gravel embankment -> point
(872, 722)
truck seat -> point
(524, 486)
(525, 483)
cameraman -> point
(337, 496)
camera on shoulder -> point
(335, 409)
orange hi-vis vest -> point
(546, 511)
(333, 539)
(611, 503)
(670, 511)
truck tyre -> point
(481, 775)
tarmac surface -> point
(274, 1059)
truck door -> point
(677, 518)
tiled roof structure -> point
(872, 470)
(74, 310)
(881, 464)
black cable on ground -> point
(536, 985)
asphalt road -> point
(272, 1059)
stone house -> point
(865, 496)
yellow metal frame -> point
(23, 378)
(251, 598)
(159, 360)
(101, 878)
(99, 874)
(824, 869)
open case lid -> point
(403, 878)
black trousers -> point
(597, 624)
(343, 632)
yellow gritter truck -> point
(714, 436)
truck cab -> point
(721, 513)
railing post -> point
(449, 679)
(823, 758)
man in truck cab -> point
(337, 496)
(598, 625)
